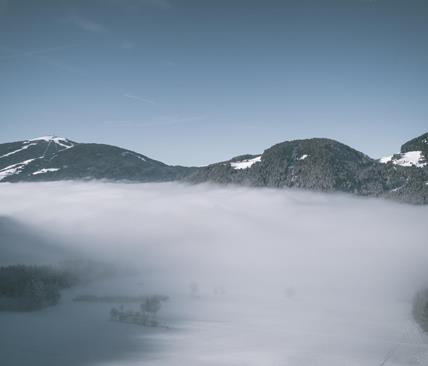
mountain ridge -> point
(51, 158)
(317, 164)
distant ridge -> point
(52, 158)
(317, 164)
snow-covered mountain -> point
(56, 158)
(315, 164)
(17, 156)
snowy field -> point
(282, 278)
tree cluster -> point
(147, 316)
(26, 288)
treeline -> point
(114, 299)
(26, 288)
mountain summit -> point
(327, 165)
(51, 158)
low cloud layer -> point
(229, 232)
(349, 260)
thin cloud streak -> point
(127, 45)
(136, 97)
(87, 24)
(168, 121)
(43, 56)
(19, 54)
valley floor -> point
(232, 329)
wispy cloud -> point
(44, 56)
(63, 66)
(87, 24)
(127, 45)
(156, 122)
(168, 63)
(119, 123)
(28, 53)
(140, 99)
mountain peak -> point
(62, 141)
(48, 138)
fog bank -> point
(303, 274)
(231, 234)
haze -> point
(308, 279)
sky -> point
(196, 82)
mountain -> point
(317, 164)
(52, 158)
(326, 165)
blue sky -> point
(194, 82)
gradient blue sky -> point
(194, 82)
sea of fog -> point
(254, 276)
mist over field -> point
(305, 278)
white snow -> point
(14, 169)
(134, 155)
(47, 138)
(303, 157)
(16, 151)
(244, 164)
(386, 159)
(58, 140)
(141, 158)
(410, 158)
(45, 170)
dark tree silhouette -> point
(151, 305)
(25, 288)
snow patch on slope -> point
(386, 159)
(45, 170)
(303, 157)
(16, 151)
(245, 164)
(410, 158)
(14, 169)
(138, 156)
